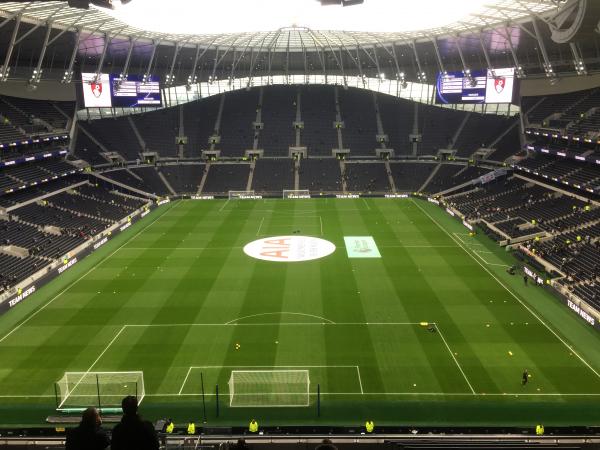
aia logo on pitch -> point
(499, 84)
(289, 248)
(96, 89)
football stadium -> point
(302, 224)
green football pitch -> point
(174, 294)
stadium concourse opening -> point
(376, 231)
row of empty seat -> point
(51, 227)
(363, 117)
(272, 175)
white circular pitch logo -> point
(289, 248)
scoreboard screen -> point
(110, 91)
(485, 86)
(134, 92)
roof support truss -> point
(5, 69)
(438, 55)
(125, 71)
(547, 64)
(68, 76)
(421, 75)
(102, 57)
(155, 45)
(36, 76)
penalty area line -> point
(362, 391)
(86, 373)
(185, 380)
(454, 358)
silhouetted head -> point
(90, 418)
(129, 405)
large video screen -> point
(111, 91)
(133, 92)
(487, 86)
(96, 94)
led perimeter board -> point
(484, 86)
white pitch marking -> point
(35, 313)
(366, 203)
(279, 313)
(260, 226)
(234, 248)
(105, 349)
(511, 293)
(417, 246)
(181, 248)
(96, 360)
(454, 358)
(275, 367)
(266, 367)
(476, 253)
(224, 205)
(321, 221)
(441, 394)
(360, 380)
(466, 243)
(279, 324)
(185, 380)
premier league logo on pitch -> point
(96, 89)
(499, 84)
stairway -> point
(166, 182)
(343, 172)
(388, 170)
(204, 176)
(251, 176)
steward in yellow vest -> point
(253, 427)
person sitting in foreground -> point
(89, 435)
(133, 433)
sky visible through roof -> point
(231, 16)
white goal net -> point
(243, 195)
(79, 390)
(269, 388)
(296, 193)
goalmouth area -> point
(385, 307)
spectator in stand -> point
(133, 433)
(89, 435)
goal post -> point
(242, 195)
(80, 390)
(269, 388)
(296, 193)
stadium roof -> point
(288, 37)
